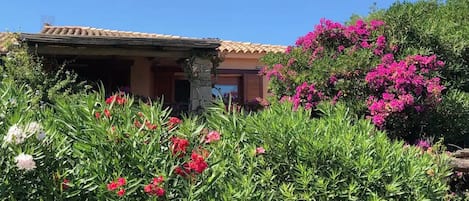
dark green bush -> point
(449, 120)
(433, 27)
(318, 159)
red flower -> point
(97, 115)
(148, 188)
(112, 186)
(111, 99)
(212, 136)
(182, 172)
(137, 123)
(158, 180)
(116, 98)
(121, 181)
(179, 146)
(154, 187)
(107, 113)
(173, 121)
(159, 191)
(197, 163)
(121, 192)
(65, 184)
(149, 125)
(121, 101)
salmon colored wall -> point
(245, 61)
(141, 77)
(239, 63)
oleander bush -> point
(283, 154)
(89, 147)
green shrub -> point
(47, 82)
(433, 27)
(449, 120)
(91, 144)
(318, 159)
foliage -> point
(48, 82)
(85, 147)
(91, 145)
(359, 64)
(449, 119)
(317, 159)
(432, 27)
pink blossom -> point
(212, 136)
(340, 48)
(260, 150)
(378, 120)
(424, 144)
(376, 24)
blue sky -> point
(261, 21)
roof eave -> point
(121, 41)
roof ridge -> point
(155, 34)
(226, 45)
(251, 43)
(120, 31)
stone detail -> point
(201, 84)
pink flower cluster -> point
(307, 95)
(274, 72)
(338, 36)
(400, 85)
(327, 37)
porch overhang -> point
(47, 44)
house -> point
(186, 72)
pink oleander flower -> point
(260, 150)
(212, 136)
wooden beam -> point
(121, 41)
(236, 71)
(107, 51)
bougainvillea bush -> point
(363, 66)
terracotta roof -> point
(244, 47)
(78, 31)
(89, 31)
(226, 46)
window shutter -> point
(252, 86)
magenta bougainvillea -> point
(307, 95)
(403, 85)
(359, 64)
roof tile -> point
(226, 45)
